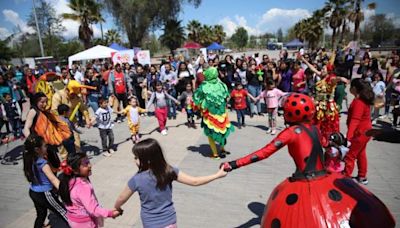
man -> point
(138, 84)
(70, 96)
(119, 85)
(78, 76)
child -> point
(153, 182)
(69, 145)
(105, 124)
(272, 95)
(133, 111)
(42, 180)
(186, 99)
(77, 193)
(239, 95)
(335, 154)
(12, 112)
(159, 98)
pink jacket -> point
(84, 206)
(272, 97)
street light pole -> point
(38, 29)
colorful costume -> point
(313, 197)
(327, 114)
(210, 98)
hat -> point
(75, 87)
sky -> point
(257, 16)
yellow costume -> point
(133, 118)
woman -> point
(93, 95)
(358, 123)
(152, 78)
(286, 77)
(378, 86)
(254, 83)
(312, 197)
(184, 77)
(298, 78)
(47, 125)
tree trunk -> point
(333, 38)
(86, 43)
(343, 32)
(356, 35)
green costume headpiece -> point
(211, 73)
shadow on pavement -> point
(10, 157)
(203, 149)
(258, 209)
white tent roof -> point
(96, 52)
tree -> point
(240, 37)
(194, 28)
(206, 35)
(138, 16)
(311, 29)
(357, 16)
(379, 30)
(112, 36)
(5, 52)
(279, 35)
(49, 25)
(86, 12)
(338, 14)
(174, 35)
(218, 33)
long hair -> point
(151, 158)
(30, 156)
(364, 90)
(74, 162)
(36, 98)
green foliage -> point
(6, 53)
(240, 37)
(173, 36)
(205, 34)
(112, 36)
(379, 30)
(86, 12)
(137, 17)
(152, 43)
(279, 35)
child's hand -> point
(221, 172)
(116, 213)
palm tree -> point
(86, 12)
(112, 36)
(357, 16)
(174, 35)
(338, 10)
(219, 34)
(206, 35)
(193, 28)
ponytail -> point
(30, 156)
(70, 169)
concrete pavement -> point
(234, 201)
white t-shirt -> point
(134, 114)
(78, 76)
(103, 118)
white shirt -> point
(103, 118)
(78, 76)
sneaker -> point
(225, 152)
(382, 117)
(164, 132)
(260, 114)
(106, 154)
(273, 132)
(215, 157)
(119, 121)
(362, 180)
(269, 131)
(111, 151)
(239, 127)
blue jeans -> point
(104, 91)
(171, 104)
(240, 116)
(16, 127)
(255, 91)
(93, 101)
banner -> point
(143, 57)
(125, 56)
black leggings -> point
(44, 201)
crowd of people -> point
(254, 86)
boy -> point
(104, 123)
(12, 112)
(239, 102)
(69, 145)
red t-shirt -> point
(119, 82)
(239, 98)
(297, 78)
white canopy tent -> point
(96, 52)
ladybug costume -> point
(313, 197)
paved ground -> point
(235, 201)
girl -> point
(186, 99)
(378, 86)
(133, 111)
(159, 99)
(153, 182)
(272, 96)
(239, 96)
(77, 193)
(42, 180)
(358, 123)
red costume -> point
(312, 197)
(358, 123)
